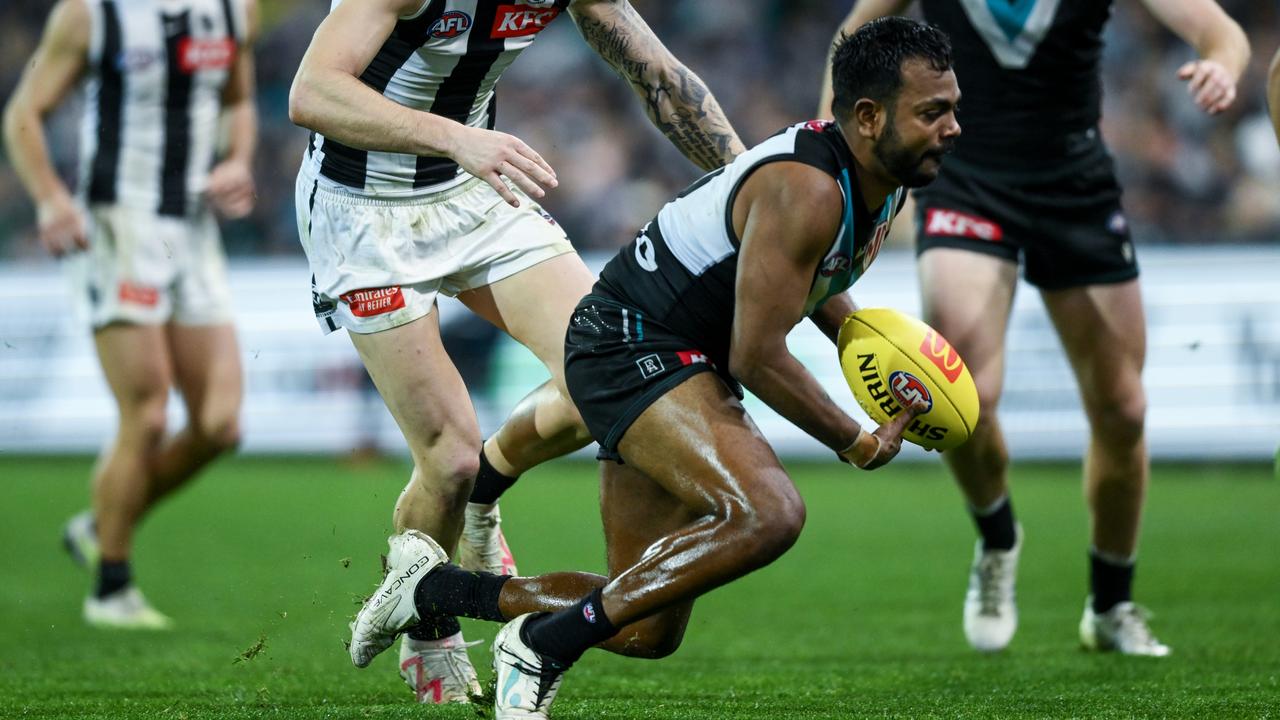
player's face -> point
(921, 125)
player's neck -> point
(872, 181)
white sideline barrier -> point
(1213, 364)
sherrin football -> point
(891, 359)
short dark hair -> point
(868, 63)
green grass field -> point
(860, 619)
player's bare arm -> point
(675, 99)
(1273, 92)
(231, 187)
(58, 63)
(786, 214)
(328, 97)
(831, 316)
(1217, 39)
(863, 12)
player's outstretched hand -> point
(873, 450)
(231, 189)
(1210, 84)
(491, 155)
(62, 227)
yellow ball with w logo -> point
(891, 360)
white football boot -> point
(81, 540)
(526, 682)
(990, 611)
(125, 609)
(482, 546)
(390, 610)
(439, 671)
(1121, 629)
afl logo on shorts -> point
(907, 389)
(451, 24)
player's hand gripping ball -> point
(891, 359)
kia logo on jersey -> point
(521, 20)
(195, 54)
(958, 224)
(451, 24)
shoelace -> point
(1131, 625)
(549, 675)
(990, 587)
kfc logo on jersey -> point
(373, 301)
(958, 224)
(816, 125)
(907, 390)
(450, 25)
(196, 54)
(521, 20)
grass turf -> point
(861, 618)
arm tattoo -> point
(675, 99)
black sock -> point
(997, 527)
(113, 576)
(563, 636)
(435, 627)
(490, 484)
(1110, 582)
(450, 590)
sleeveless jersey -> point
(445, 59)
(681, 269)
(1029, 75)
(153, 93)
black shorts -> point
(1065, 225)
(618, 361)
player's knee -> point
(450, 456)
(770, 526)
(1121, 422)
(147, 420)
(219, 432)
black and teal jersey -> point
(1029, 76)
(681, 269)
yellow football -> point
(891, 359)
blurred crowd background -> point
(1188, 178)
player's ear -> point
(869, 116)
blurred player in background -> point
(406, 191)
(141, 244)
(1033, 181)
(1273, 92)
(698, 306)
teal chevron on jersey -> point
(1012, 29)
(1011, 15)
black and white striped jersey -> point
(682, 268)
(444, 59)
(153, 94)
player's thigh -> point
(1103, 330)
(967, 296)
(698, 444)
(420, 385)
(637, 513)
(136, 363)
(208, 373)
(534, 305)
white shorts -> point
(150, 269)
(379, 263)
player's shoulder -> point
(69, 24)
